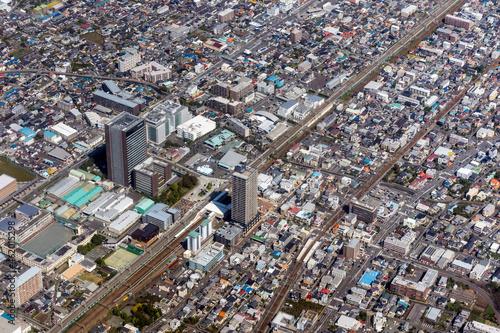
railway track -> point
(140, 278)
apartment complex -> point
(8, 185)
(351, 250)
(244, 197)
(417, 290)
(400, 246)
(129, 60)
(458, 22)
(27, 285)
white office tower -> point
(194, 241)
(205, 229)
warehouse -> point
(66, 132)
(125, 221)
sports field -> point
(120, 259)
(49, 239)
(12, 170)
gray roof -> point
(114, 98)
(4, 224)
(268, 115)
(111, 86)
(231, 159)
(27, 209)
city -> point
(249, 166)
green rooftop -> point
(145, 205)
(205, 222)
(193, 234)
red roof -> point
(325, 291)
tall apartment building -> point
(220, 89)
(152, 72)
(364, 212)
(351, 250)
(27, 285)
(8, 185)
(458, 22)
(401, 246)
(244, 197)
(151, 176)
(157, 125)
(223, 105)
(129, 60)
(240, 91)
(125, 146)
(295, 35)
(175, 114)
(418, 290)
(226, 15)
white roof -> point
(124, 221)
(26, 276)
(347, 322)
(64, 129)
(6, 180)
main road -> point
(101, 301)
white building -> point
(65, 131)
(286, 109)
(129, 60)
(195, 128)
(477, 327)
(464, 173)
(123, 222)
(348, 323)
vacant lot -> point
(86, 276)
(19, 53)
(94, 37)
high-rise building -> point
(164, 119)
(351, 250)
(295, 35)
(27, 285)
(8, 185)
(125, 146)
(151, 176)
(244, 197)
(364, 212)
(129, 60)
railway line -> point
(140, 273)
(294, 274)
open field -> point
(15, 171)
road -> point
(91, 76)
(141, 268)
(457, 277)
(278, 301)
